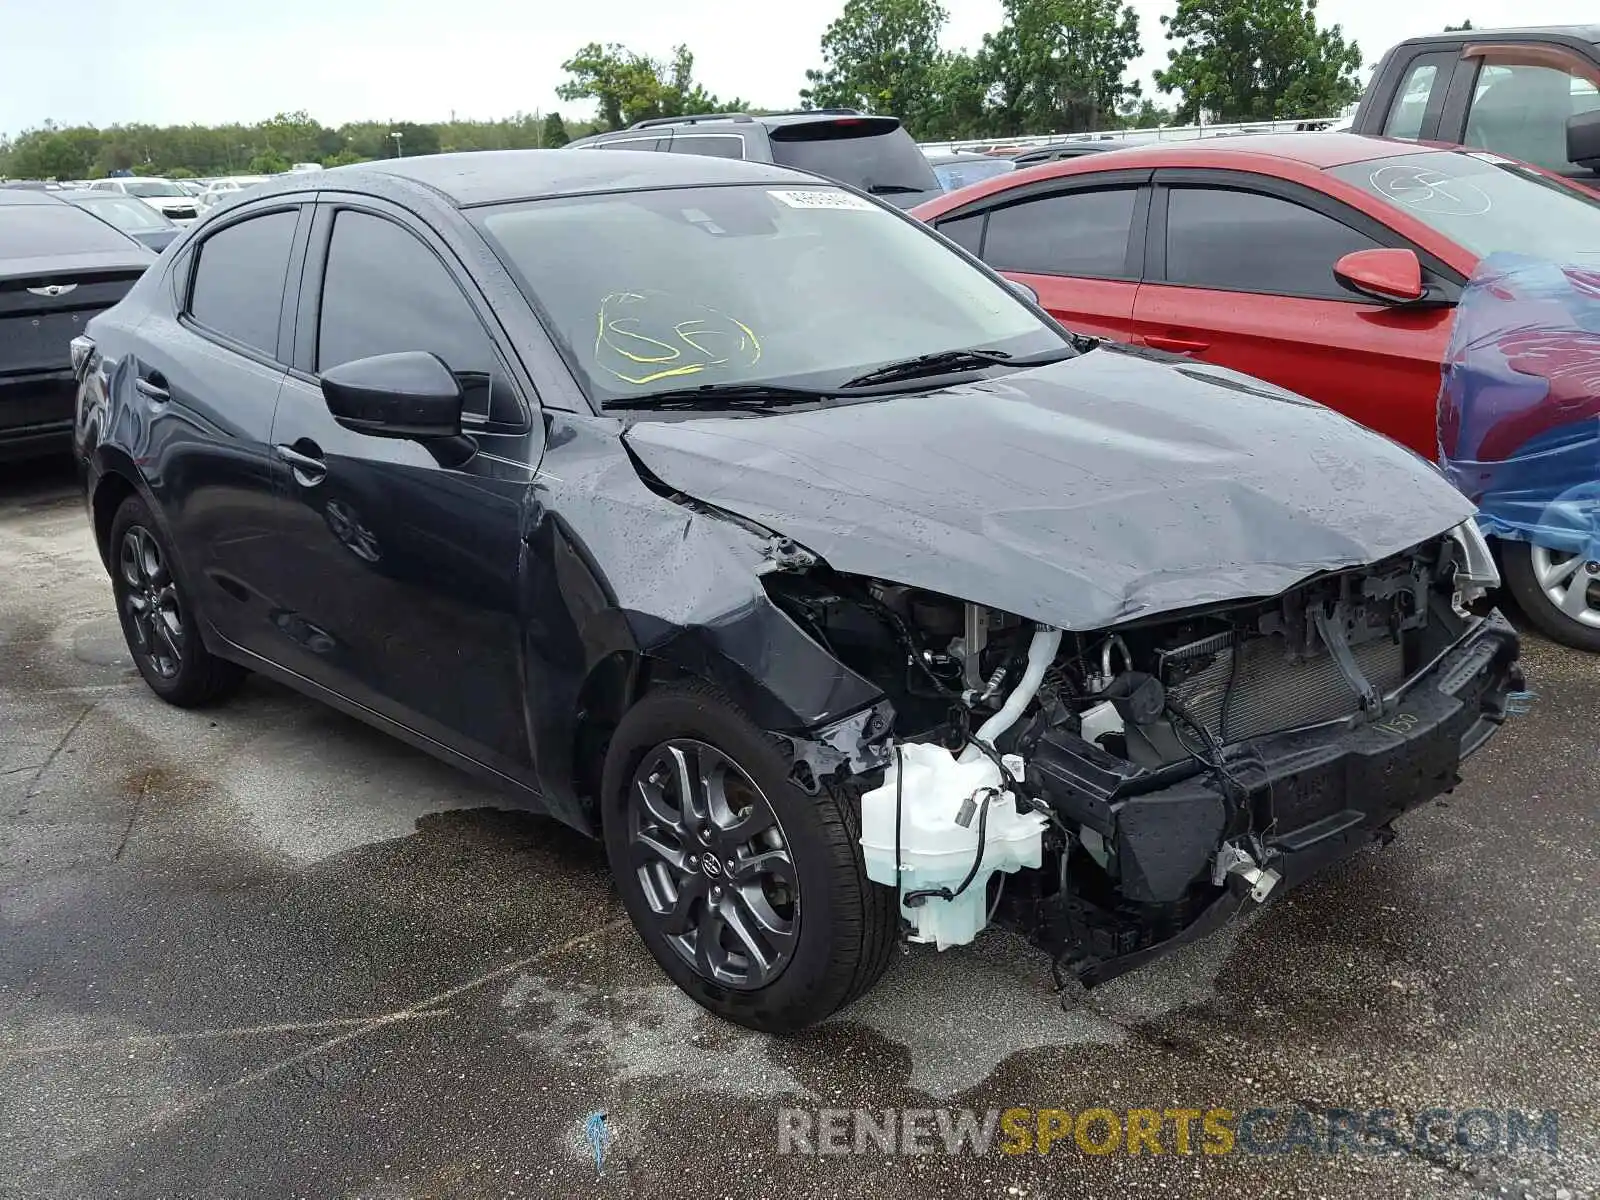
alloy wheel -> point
(1570, 582)
(713, 863)
(153, 615)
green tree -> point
(1246, 60)
(1060, 66)
(268, 162)
(344, 158)
(960, 106)
(51, 152)
(1461, 28)
(294, 136)
(629, 87)
(554, 132)
(86, 152)
(882, 56)
(1145, 114)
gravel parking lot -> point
(265, 951)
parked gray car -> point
(135, 218)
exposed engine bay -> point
(1109, 794)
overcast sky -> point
(170, 62)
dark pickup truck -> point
(1532, 94)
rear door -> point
(1078, 243)
(203, 382)
(1240, 273)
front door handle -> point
(308, 469)
(152, 387)
(1177, 345)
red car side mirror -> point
(1392, 276)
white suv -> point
(162, 195)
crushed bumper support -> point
(1304, 799)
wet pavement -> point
(266, 951)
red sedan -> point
(1326, 263)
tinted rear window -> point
(861, 152)
(1079, 233)
(238, 284)
(45, 230)
(712, 145)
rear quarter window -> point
(239, 278)
(1077, 233)
(711, 145)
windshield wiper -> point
(722, 395)
(951, 361)
(891, 189)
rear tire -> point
(158, 616)
(1543, 583)
(753, 896)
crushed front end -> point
(1111, 794)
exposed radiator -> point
(1270, 690)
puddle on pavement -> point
(953, 1016)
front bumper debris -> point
(1301, 800)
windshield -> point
(45, 230)
(660, 290)
(953, 175)
(145, 188)
(1484, 203)
(126, 213)
(871, 153)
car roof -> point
(497, 176)
(1321, 150)
(1583, 33)
(1283, 154)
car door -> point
(1516, 99)
(404, 596)
(1078, 245)
(206, 381)
(1240, 273)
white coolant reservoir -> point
(938, 794)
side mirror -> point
(1583, 140)
(1023, 290)
(1392, 276)
(406, 395)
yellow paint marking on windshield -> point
(687, 332)
(668, 352)
(620, 345)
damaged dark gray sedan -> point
(732, 517)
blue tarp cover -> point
(1519, 410)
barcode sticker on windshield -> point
(821, 198)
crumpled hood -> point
(1082, 494)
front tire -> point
(159, 620)
(750, 894)
(1558, 593)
